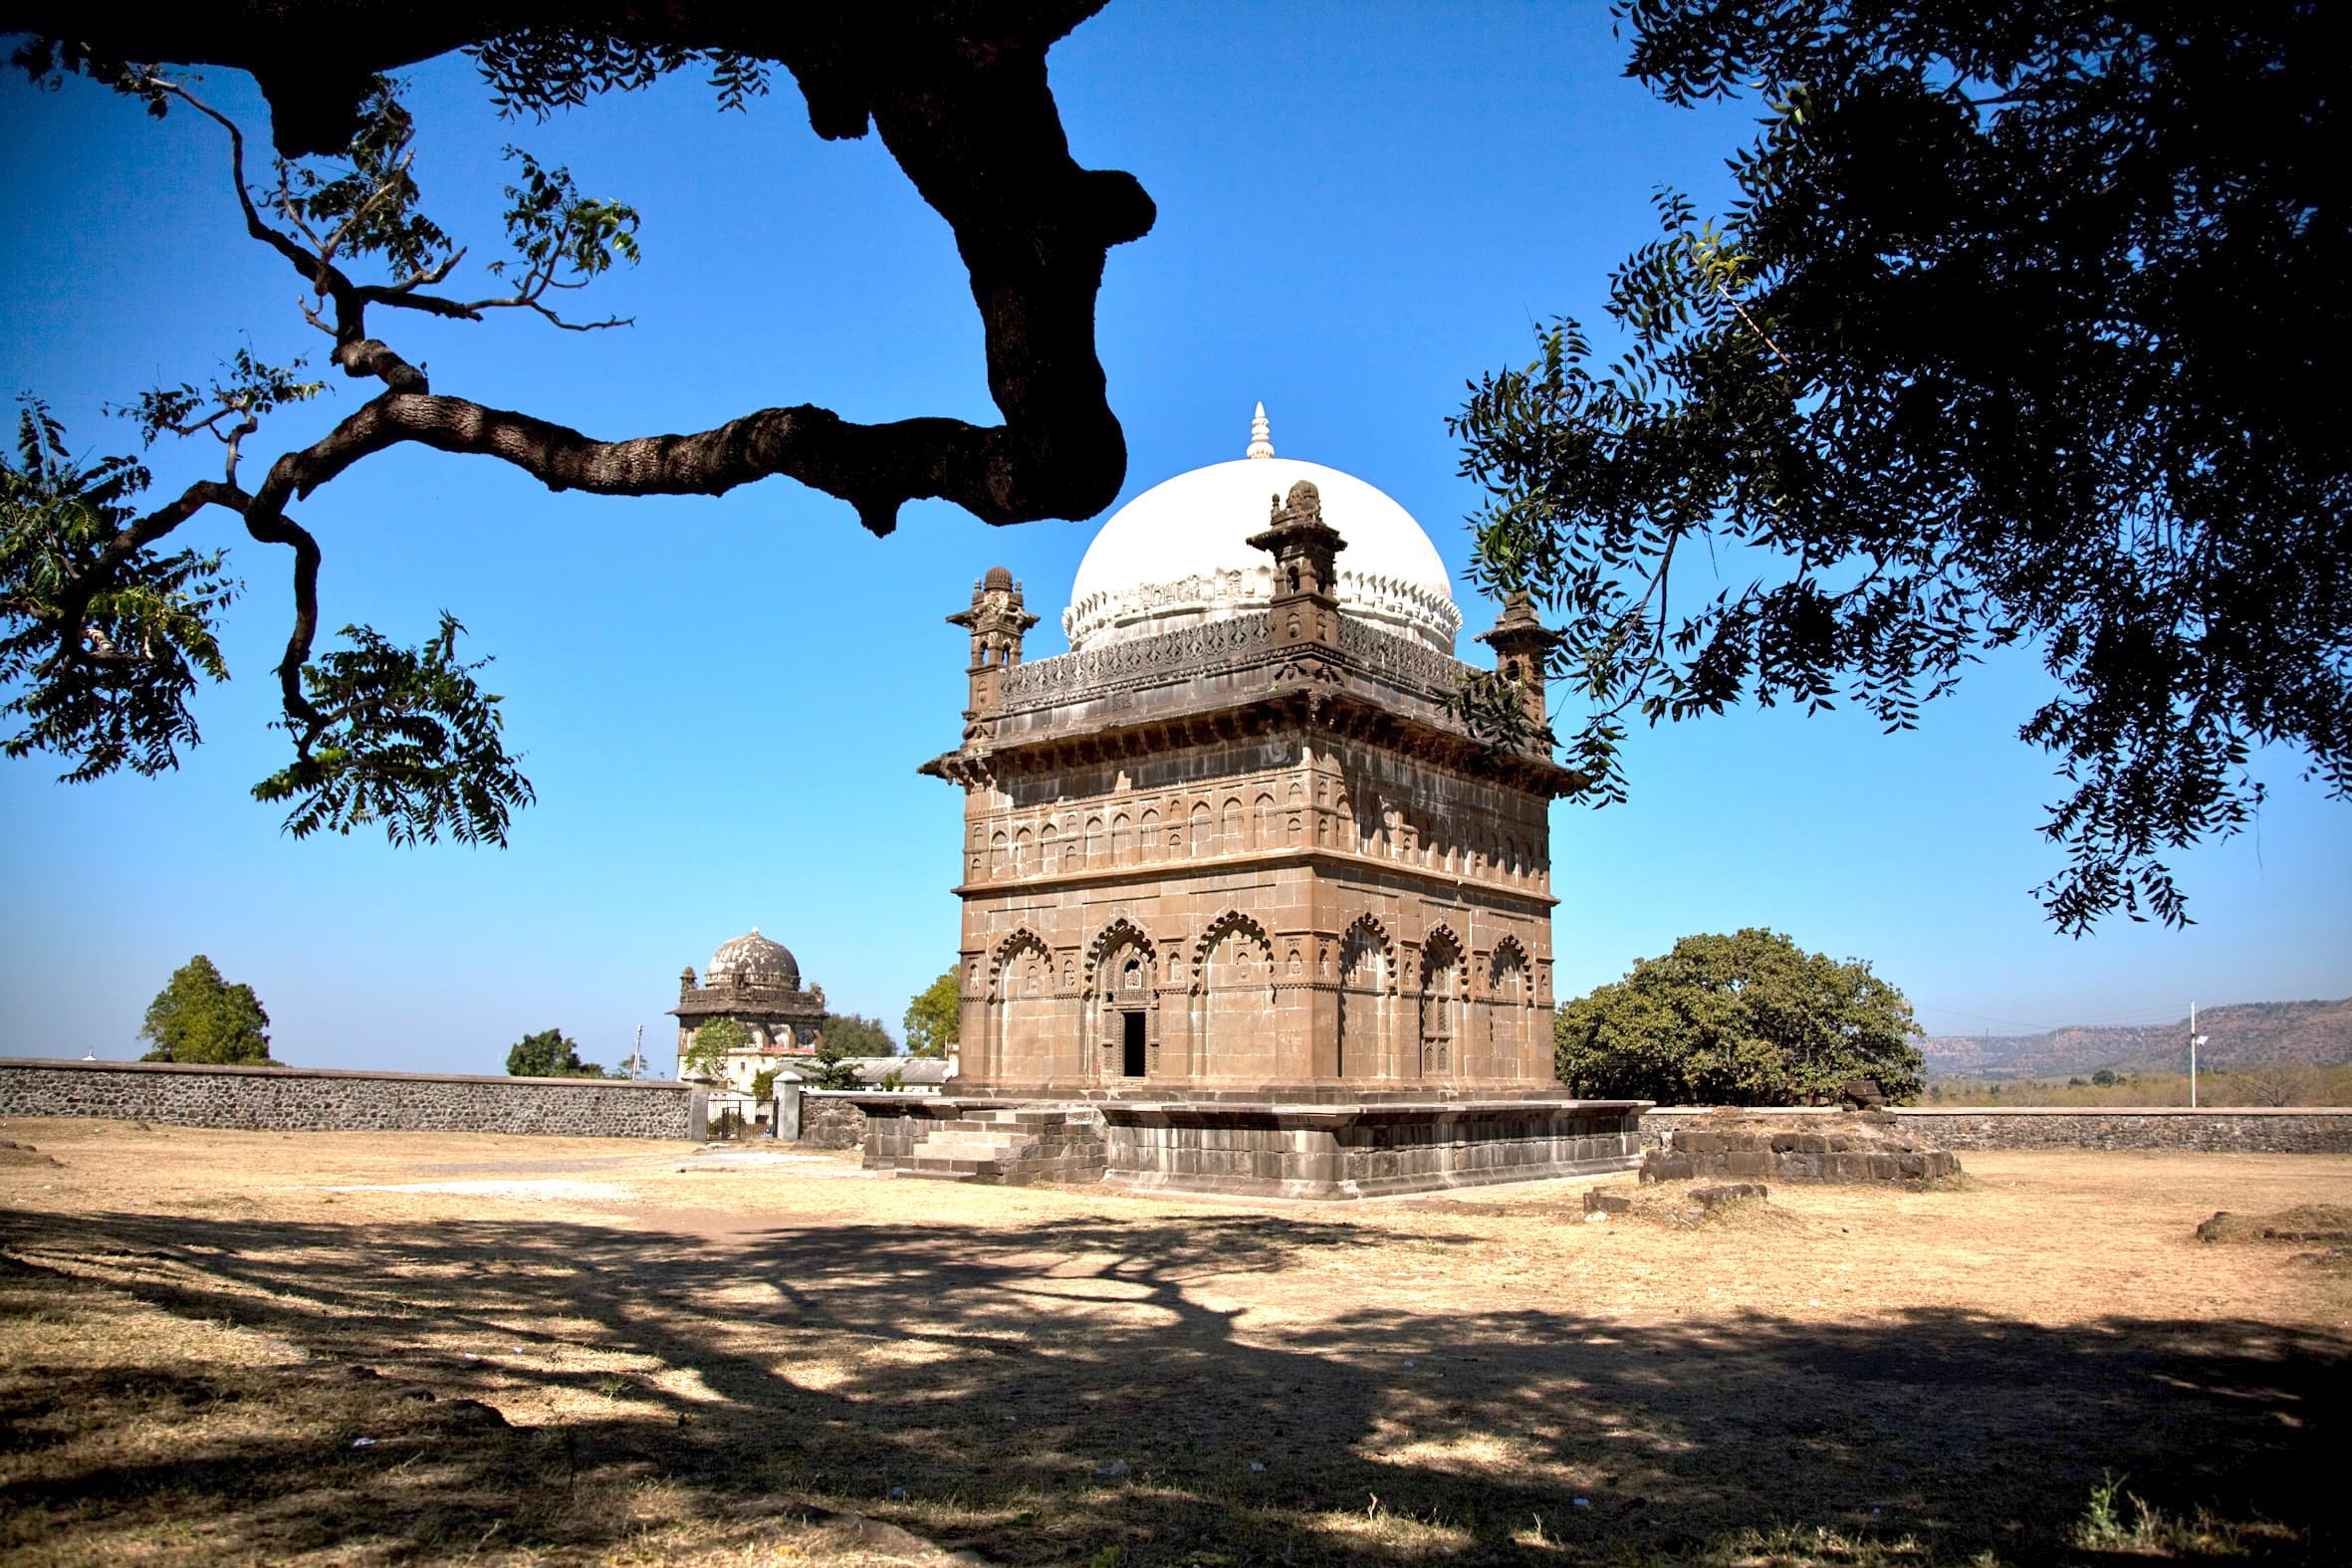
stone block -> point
(1666, 1168)
(1728, 1192)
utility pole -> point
(637, 1055)
(2195, 1039)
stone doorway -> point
(1131, 1055)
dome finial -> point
(1261, 443)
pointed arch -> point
(1443, 971)
(1019, 1006)
(1366, 939)
(1233, 997)
(1122, 931)
(1233, 920)
(1367, 981)
(1014, 945)
(1121, 1005)
(1510, 989)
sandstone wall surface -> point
(317, 1099)
(2239, 1130)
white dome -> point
(1179, 555)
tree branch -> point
(958, 92)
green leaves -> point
(935, 1016)
(404, 738)
(538, 70)
(364, 203)
(2024, 326)
(1742, 1019)
(101, 640)
(226, 406)
(549, 1054)
(561, 239)
(708, 1048)
(198, 1016)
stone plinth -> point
(1365, 1149)
(1262, 1148)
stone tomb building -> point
(1236, 881)
(756, 980)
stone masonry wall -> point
(2237, 1130)
(830, 1122)
(323, 1101)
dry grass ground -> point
(740, 1361)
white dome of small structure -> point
(1179, 555)
(753, 960)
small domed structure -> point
(998, 577)
(753, 960)
(756, 981)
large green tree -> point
(855, 1034)
(1748, 1019)
(549, 1054)
(199, 1016)
(104, 634)
(2026, 324)
(934, 1017)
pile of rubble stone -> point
(1853, 1146)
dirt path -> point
(697, 1356)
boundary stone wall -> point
(2231, 1130)
(323, 1100)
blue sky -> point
(723, 701)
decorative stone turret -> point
(1304, 608)
(1519, 642)
(996, 623)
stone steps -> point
(1008, 1147)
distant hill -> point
(2239, 1034)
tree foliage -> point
(857, 1036)
(198, 1016)
(832, 1068)
(935, 1016)
(709, 1046)
(115, 694)
(549, 1054)
(103, 640)
(2026, 326)
(1744, 1019)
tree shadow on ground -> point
(973, 1385)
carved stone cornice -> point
(1171, 874)
(1317, 706)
